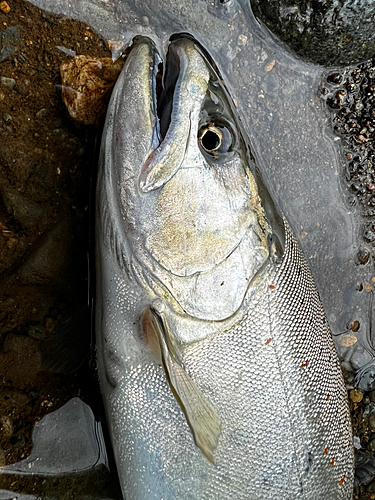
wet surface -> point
(301, 146)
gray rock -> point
(9, 40)
(325, 32)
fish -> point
(216, 362)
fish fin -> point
(201, 416)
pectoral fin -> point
(201, 416)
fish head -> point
(196, 230)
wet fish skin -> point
(204, 300)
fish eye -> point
(210, 138)
(215, 138)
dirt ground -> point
(46, 171)
(46, 168)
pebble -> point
(4, 7)
(145, 21)
(347, 340)
(356, 395)
(242, 40)
(268, 67)
(8, 82)
(371, 421)
(7, 117)
(371, 446)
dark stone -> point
(324, 32)
(8, 42)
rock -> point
(26, 212)
(324, 32)
(87, 85)
(20, 360)
(9, 40)
(356, 396)
(8, 82)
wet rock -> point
(9, 40)
(325, 31)
(20, 360)
(47, 264)
(87, 85)
(25, 211)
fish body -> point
(217, 366)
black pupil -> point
(210, 140)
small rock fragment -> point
(8, 42)
(7, 118)
(268, 67)
(347, 340)
(371, 421)
(371, 445)
(242, 40)
(8, 82)
(4, 7)
(87, 85)
(356, 395)
(145, 21)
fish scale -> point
(281, 402)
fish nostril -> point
(210, 139)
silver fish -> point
(217, 366)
